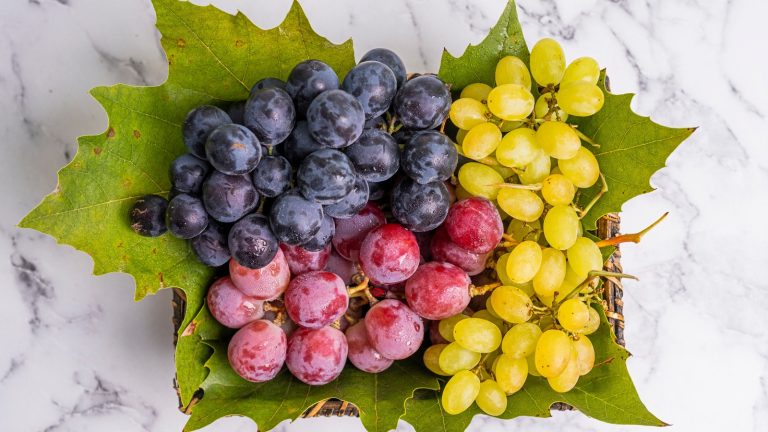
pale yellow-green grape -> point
(480, 180)
(561, 227)
(531, 360)
(593, 324)
(478, 335)
(541, 109)
(524, 262)
(486, 315)
(551, 273)
(518, 148)
(476, 91)
(481, 140)
(573, 315)
(547, 301)
(491, 398)
(547, 62)
(512, 70)
(553, 353)
(570, 282)
(584, 256)
(511, 373)
(432, 357)
(580, 98)
(520, 230)
(454, 358)
(445, 326)
(585, 353)
(536, 171)
(568, 378)
(489, 307)
(520, 341)
(460, 392)
(583, 69)
(507, 126)
(510, 102)
(505, 172)
(558, 190)
(582, 170)
(558, 139)
(460, 136)
(511, 304)
(466, 113)
(490, 359)
(521, 204)
(527, 288)
(501, 270)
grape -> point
(485, 314)
(211, 246)
(424, 239)
(389, 254)
(552, 353)
(510, 102)
(345, 269)
(536, 171)
(558, 139)
(390, 59)
(476, 91)
(420, 207)
(361, 353)
(429, 156)
(272, 176)
(582, 169)
(570, 282)
(455, 357)
(511, 304)
(322, 237)
(593, 324)
(467, 113)
(394, 329)
(478, 335)
(352, 203)
(326, 176)
(446, 326)
(491, 398)
(481, 141)
(480, 180)
(573, 315)
(512, 70)
(188, 172)
(511, 373)
(301, 260)
(264, 283)
(547, 62)
(520, 341)
(422, 102)
(351, 232)
(307, 80)
(294, 219)
(148, 216)
(198, 124)
(375, 123)
(558, 190)
(316, 299)
(520, 230)
(228, 198)
(233, 149)
(521, 204)
(524, 261)
(474, 224)
(252, 242)
(316, 356)
(373, 84)
(335, 119)
(378, 190)
(375, 155)
(438, 290)
(266, 83)
(583, 69)
(186, 216)
(567, 379)
(518, 148)
(460, 135)
(257, 351)
(531, 361)
(300, 143)
(561, 227)
(270, 114)
(584, 256)
(541, 109)
(236, 112)
(580, 98)
(501, 270)
(431, 358)
(460, 391)
(230, 306)
(585, 354)
(434, 334)
(551, 273)
(443, 249)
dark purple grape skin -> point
(266, 83)
(375, 155)
(390, 59)
(307, 80)
(326, 176)
(236, 111)
(148, 216)
(352, 203)
(423, 103)
(420, 207)
(233, 149)
(429, 156)
(335, 119)
(375, 123)
(294, 219)
(186, 216)
(374, 85)
(379, 190)
(198, 124)
(272, 176)
(270, 114)
(322, 237)
(211, 246)
(252, 242)
(227, 198)
(300, 143)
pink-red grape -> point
(394, 330)
(438, 290)
(230, 306)
(389, 254)
(361, 353)
(316, 299)
(257, 351)
(443, 249)
(316, 356)
(265, 283)
(474, 224)
(351, 232)
(301, 260)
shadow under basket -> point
(607, 227)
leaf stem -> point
(634, 238)
(597, 197)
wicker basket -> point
(607, 227)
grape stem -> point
(634, 238)
(485, 161)
(532, 187)
(477, 290)
(583, 212)
(279, 313)
(362, 286)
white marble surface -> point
(76, 354)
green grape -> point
(520, 341)
(460, 135)
(460, 391)
(518, 148)
(580, 98)
(521, 204)
(510, 102)
(541, 109)
(501, 270)
(593, 324)
(585, 354)
(551, 273)
(432, 357)
(558, 190)
(573, 315)
(491, 398)
(505, 172)
(536, 171)
(583, 69)
(524, 262)
(520, 230)
(454, 358)
(527, 288)
(531, 360)
(567, 379)
(481, 140)
(511, 373)
(558, 140)
(561, 227)
(480, 180)
(476, 91)
(582, 169)
(507, 126)
(486, 315)
(466, 113)
(547, 62)
(512, 70)
(584, 256)
(553, 353)
(445, 326)
(511, 304)
(478, 335)
(489, 308)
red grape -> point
(351, 232)
(345, 269)
(394, 330)
(474, 224)
(389, 254)
(438, 290)
(443, 249)
(361, 353)
(301, 260)
(316, 299)
(264, 283)
(316, 356)
(230, 306)
(257, 351)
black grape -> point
(270, 114)
(422, 102)
(352, 203)
(390, 59)
(420, 207)
(188, 173)
(326, 176)
(374, 85)
(272, 176)
(335, 119)
(211, 245)
(186, 216)
(233, 149)
(148, 216)
(294, 219)
(307, 80)
(375, 155)
(252, 242)
(429, 156)
(227, 198)
(198, 124)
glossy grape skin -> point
(481, 141)
(429, 156)
(345, 269)
(390, 59)
(264, 283)
(434, 334)
(431, 358)
(443, 249)
(269, 82)
(211, 246)
(423, 102)
(567, 379)
(377, 191)
(512, 70)
(233, 149)
(148, 216)
(389, 254)
(477, 335)
(438, 290)
(230, 306)
(186, 216)
(511, 102)
(270, 114)
(593, 324)
(445, 326)
(467, 113)
(257, 351)
(316, 299)
(373, 84)
(585, 353)
(376, 123)
(294, 219)
(335, 119)
(322, 237)
(375, 155)
(541, 109)
(537, 170)
(511, 304)
(352, 202)
(307, 80)
(553, 351)
(351, 232)
(394, 330)
(520, 341)
(300, 143)
(198, 124)
(187, 173)
(361, 354)
(547, 62)
(521, 204)
(491, 398)
(558, 190)
(511, 373)
(420, 207)
(316, 356)
(460, 391)
(573, 314)
(252, 243)
(551, 273)
(272, 176)
(474, 224)
(455, 357)
(480, 180)
(524, 262)
(561, 227)
(583, 169)
(326, 176)
(558, 139)
(584, 256)
(580, 98)
(476, 91)
(301, 260)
